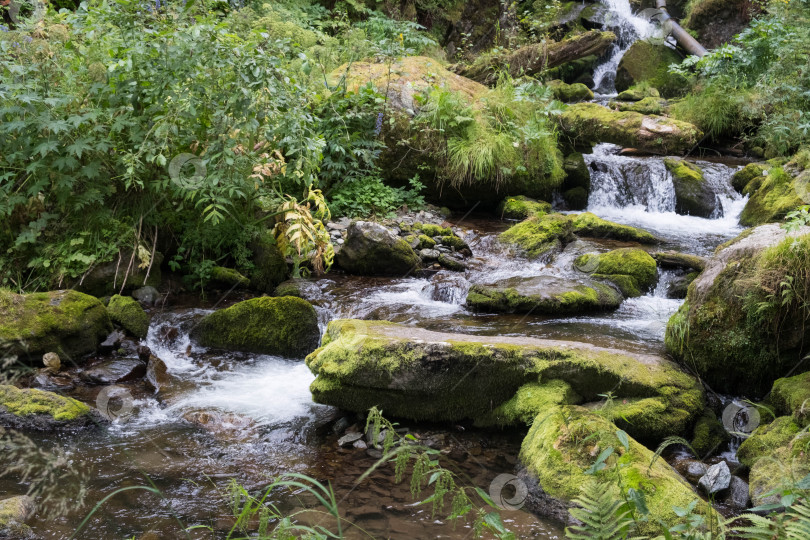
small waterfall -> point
(639, 191)
(628, 28)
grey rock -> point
(147, 296)
(340, 425)
(112, 342)
(429, 254)
(349, 438)
(115, 371)
(717, 478)
(372, 249)
(360, 444)
(737, 496)
(52, 361)
(692, 469)
(340, 225)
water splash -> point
(628, 28)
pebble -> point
(349, 438)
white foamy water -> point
(628, 28)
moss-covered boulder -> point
(648, 105)
(592, 123)
(540, 237)
(734, 329)
(591, 226)
(422, 375)
(773, 196)
(777, 456)
(632, 270)
(647, 62)
(678, 260)
(269, 265)
(563, 443)
(405, 79)
(791, 396)
(709, 434)
(638, 93)
(693, 195)
(371, 249)
(227, 278)
(29, 408)
(521, 207)
(748, 173)
(284, 326)
(14, 511)
(577, 183)
(570, 93)
(127, 312)
(544, 295)
(69, 323)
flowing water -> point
(251, 418)
(629, 28)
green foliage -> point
(369, 196)
(603, 515)
(756, 85)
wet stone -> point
(717, 478)
(360, 444)
(349, 438)
(691, 469)
(737, 496)
(112, 342)
(147, 296)
(115, 371)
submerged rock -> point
(372, 249)
(731, 330)
(30, 408)
(632, 270)
(285, 326)
(593, 123)
(125, 311)
(693, 195)
(69, 323)
(563, 443)
(544, 295)
(157, 374)
(115, 371)
(422, 375)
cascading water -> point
(628, 28)
(640, 191)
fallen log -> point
(535, 58)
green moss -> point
(791, 396)
(589, 225)
(575, 300)
(291, 287)
(12, 510)
(451, 264)
(454, 242)
(228, 277)
(648, 105)
(746, 175)
(127, 312)
(30, 402)
(633, 270)
(538, 236)
(521, 207)
(435, 230)
(649, 63)
(426, 242)
(771, 200)
(677, 331)
(286, 326)
(776, 453)
(530, 400)
(708, 434)
(564, 441)
(69, 323)
(638, 93)
(421, 375)
(593, 123)
(693, 195)
(576, 198)
(569, 93)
